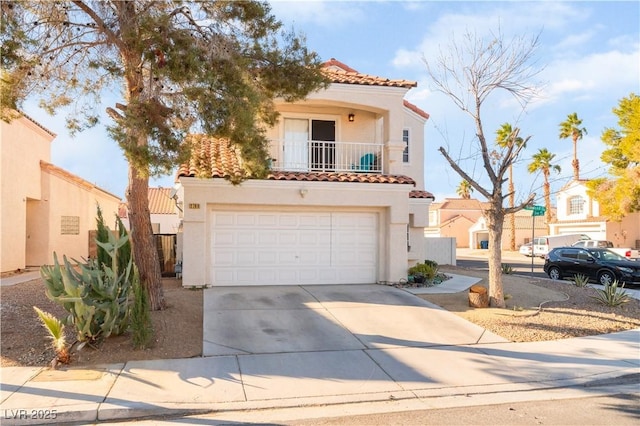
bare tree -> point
(468, 72)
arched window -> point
(576, 205)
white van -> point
(542, 245)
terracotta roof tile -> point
(216, 158)
(159, 201)
(415, 109)
(212, 157)
(421, 194)
(341, 73)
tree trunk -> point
(512, 216)
(575, 163)
(495, 223)
(145, 253)
(547, 201)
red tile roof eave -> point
(322, 177)
(336, 63)
(415, 109)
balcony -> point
(326, 156)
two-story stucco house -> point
(344, 202)
(44, 207)
(578, 213)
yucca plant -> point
(580, 280)
(55, 327)
(612, 295)
(507, 269)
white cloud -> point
(594, 75)
(328, 14)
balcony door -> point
(323, 145)
(309, 144)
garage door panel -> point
(258, 248)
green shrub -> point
(612, 295)
(426, 270)
(140, 321)
(431, 263)
(580, 280)
(507, 269)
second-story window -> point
(576, 205)
(405, 139)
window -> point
(576, 205)
(569, 253)
(70, 225)
(405, 139)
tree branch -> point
(463, 174)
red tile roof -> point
(160, 202)
(421, 194)
(343, 74)
(415, 109)
(217, 158)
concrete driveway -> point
(281, 319)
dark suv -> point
(599, 264)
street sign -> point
(536, 210)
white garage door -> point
(280, 248)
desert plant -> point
(612, 295)
(95, 295)
(427, 271)
(580, 280)
(431, 263)
(507, 269)
(55, 327)
(140, 320)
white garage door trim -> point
(293, 248)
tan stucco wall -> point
(380, 117)
(390, 201)
(22, 145)
(36, 194)
(68, 198)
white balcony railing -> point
(326, 156)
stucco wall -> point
(380, 117)
(22, 145)
(389, 200)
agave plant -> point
(580, 280)
(612, 295)
(56, 332)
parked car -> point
(598, 264)
(543, 245)
(627, 252)
(526, 249)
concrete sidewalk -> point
(402, 366)
(218, 384)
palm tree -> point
(571, 128)
(542, 162)
(464, 190)
(507, 137)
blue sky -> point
(590, 52)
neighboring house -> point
(165, 212)
(344, 202)
(578, 213)
(44, 207)
(452, 218)
(526, 227)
